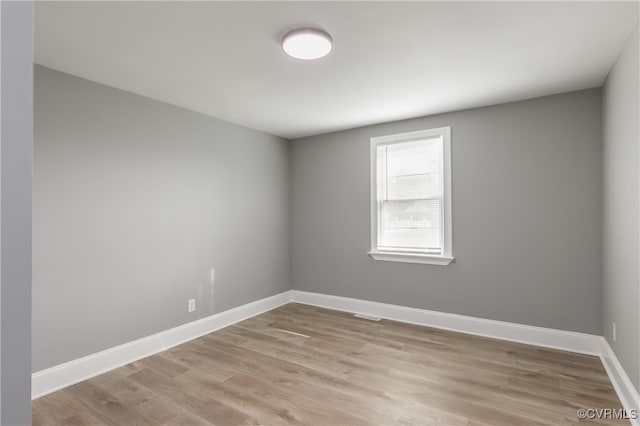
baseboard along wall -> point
(63, 375)
(570, 341)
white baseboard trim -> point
(539, 336)
(63, 375)
(627, 393)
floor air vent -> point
(367, 317)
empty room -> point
(319, 213)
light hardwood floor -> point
(304, 365)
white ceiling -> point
(390, 60)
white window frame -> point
(447, 238)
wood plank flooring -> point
(301, 365)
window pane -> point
(411, 187)
(411, 224)
(412, 197)
(416, 157)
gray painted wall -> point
(16, 140)
(526, 214)
(621, 134)
(134, 202)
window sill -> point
(411, 258)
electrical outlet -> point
(614, 331)
(191, 305)
(212, 276)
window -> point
(411, 197)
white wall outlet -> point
(212, 276)
(614, 331)
(191, 305)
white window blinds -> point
(410, 196)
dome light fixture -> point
(307, 43)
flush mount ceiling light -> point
(307, 43)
